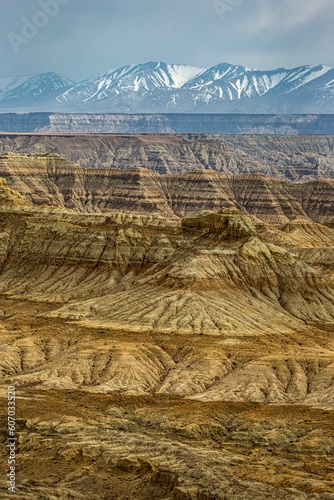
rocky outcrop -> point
(10, 198)
(230, 221)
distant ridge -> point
(166, 123)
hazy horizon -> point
(82, 38)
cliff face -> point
(31, 122)
(291, 158)
(52, 180)
(64, 123)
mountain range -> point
(159, 87)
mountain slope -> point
(31, 90)
(140, 78)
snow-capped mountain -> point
(31, 90)
(140, 78)
(161, 87)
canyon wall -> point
(292, 158)
(52, 180)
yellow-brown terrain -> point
(185, 353)
(49, 179)
(289, 157)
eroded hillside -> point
(292, 158)
(164, 357)
(152, 276)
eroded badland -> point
(162, 348)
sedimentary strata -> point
(52, 180)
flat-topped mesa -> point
(229, 220)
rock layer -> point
(292, 158)
(52, 180)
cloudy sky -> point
(82, 38)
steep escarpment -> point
(267, 199)
(292, 158)
(49, 179)
(20, 122)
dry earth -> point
(82, 443)
(165, 358)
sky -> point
(83, 38)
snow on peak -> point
(182, 74)
(159, 85)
